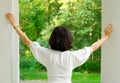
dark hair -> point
(60, 39)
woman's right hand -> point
(108, 30)
(11, 18)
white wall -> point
(9, 58)
(110, 71)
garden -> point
(81, 17)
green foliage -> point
(90, 66)
(32, 19)
(30, 63)
(82, 17)
(29, 67)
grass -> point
(76, 78)
(85, 78)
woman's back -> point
(59, 64)
(60, 67)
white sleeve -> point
(39, 52)
(81, 56)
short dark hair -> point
(60, 39)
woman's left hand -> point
(11, 18)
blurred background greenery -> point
(39, 17)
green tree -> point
(32, 20)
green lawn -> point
(76, 78)
(86, 78)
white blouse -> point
(59, 64)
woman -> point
(59, 60)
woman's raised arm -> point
(99, 43)
(21, 34)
